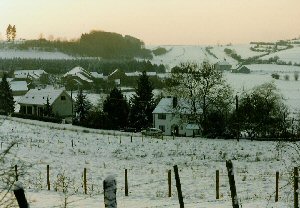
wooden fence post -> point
(84, 181)
(235, 201)
(178, 185)
(126, 183)
(170, 183)
(110, 192)
(277, 187)
(217, 185)
(296, 175)
(130, 138)
(48, 177)
(20, 195)
(16, 172)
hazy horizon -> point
(167, 22)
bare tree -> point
(202, 86)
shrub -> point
(39, 118)
(275, 76)
(296, 76)
(286, 77)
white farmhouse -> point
(169, 117)
(34, 102)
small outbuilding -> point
(223, 66)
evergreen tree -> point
(48, 109)
(117, 109)
(142, 104)
(82, 107)
(8, 32)
(6, 97)
(13, 33)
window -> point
(162, 116)
(29, 109)
(161, 127)
(63, 98)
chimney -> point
(175, 101)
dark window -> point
(161, 127)
(29, 109)
(23, 109)
(162, 116)
(63, 97)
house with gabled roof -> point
(223, 66)
(170, 115)
(35, 100)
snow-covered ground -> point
(106, 153)
(243, 50)
(178, 54)
(32, 54)
(289, 55)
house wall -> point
(62, 107)
(169, 123)
(163, 122)
(223, 67)
(19, 93)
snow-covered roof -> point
(138, 73)
(223, 63)
(80, 73)
(165, 105)
(39, 96)
(97, 75)
(164, 75)
(31, 73)
(113, 72)
(18, 86)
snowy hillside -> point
(8, 54)
(290, 55)
(147, 159)
(178, 54)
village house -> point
(34, 102)
(223, 66)
(242, 69)
(28, 74)
(169, 117)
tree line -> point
(94, 44)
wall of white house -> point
(169, 122)
(62, 107)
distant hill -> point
(94, 44)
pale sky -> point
(156, 21)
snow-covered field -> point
(106, 153)
(290, 55)
(178, 54)
(8, 54)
